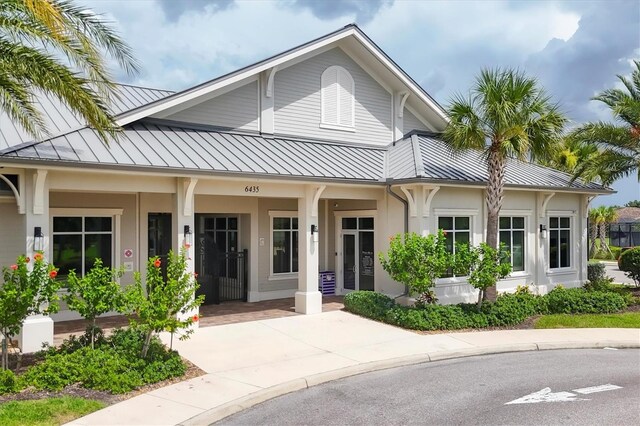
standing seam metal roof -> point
(59, 118)
(180, 146)
(155, 145)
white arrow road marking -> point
(594, 389)
(545, 395)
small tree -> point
(158, 302)
(417, 262)
(25, 292)
(486, 266)
(95, 294)
(630, 264)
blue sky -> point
(575, 48)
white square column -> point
(183, 217)
(37, 329)
(308, 299)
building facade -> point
(307, 161)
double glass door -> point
(357, 254)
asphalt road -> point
(470, 391)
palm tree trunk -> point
(495, 192)
(593, 231)
(603, 237)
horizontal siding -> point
(410, 122)
(237, 109)
(297, 101)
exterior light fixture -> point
(188, 235)
(314, 229)
(38, 239)
(543, 230)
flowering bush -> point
(157, 302)
(25, 291)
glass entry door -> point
(349, 267)
(358, 254)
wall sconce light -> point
(543, 231)
(314, 232)
(188, 235)
(38, 239)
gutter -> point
(405, 204)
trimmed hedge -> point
(507, 310)
(578, 301)
(630, 263)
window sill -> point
(516, 275)
(351, 129)
(283, 277)
(561, 271)
(451, 281)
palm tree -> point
(594, 221)
(56, 48)
(506, 115)
(609, 215)
(619, 142)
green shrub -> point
(114, 365)
(596, 271)
(368, 304)
(579, 301)
(513, 308)
(8, 382)
(406, 317)
(617, 251)
(630, 263)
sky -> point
(574, 48)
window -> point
(457, 230)
(79, 240)
(337, 98)
(559, 242)
(284, 244)
(512, 236)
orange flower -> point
(38, 257)
(187, 246)
(27, 259)
(53, 274)
(195, 275)
(444, 233)
(195, 318)
(157, 263)
(14, 267)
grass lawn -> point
(41, 412)
(624, 320)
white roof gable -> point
(350, 38)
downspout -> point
(405, 204)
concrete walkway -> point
(248, 363)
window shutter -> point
(345, 98)
(329, 95)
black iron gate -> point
(223, 276)
(232, 279)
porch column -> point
(37, 329)
(308, 298)
(183, 221)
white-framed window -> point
(337, 97)
(457, 230)
(77, 241)
(284, 243)
(512, 234)
(559, 242)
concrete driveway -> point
(250, 362)
(618, 276)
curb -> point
(218, 413)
